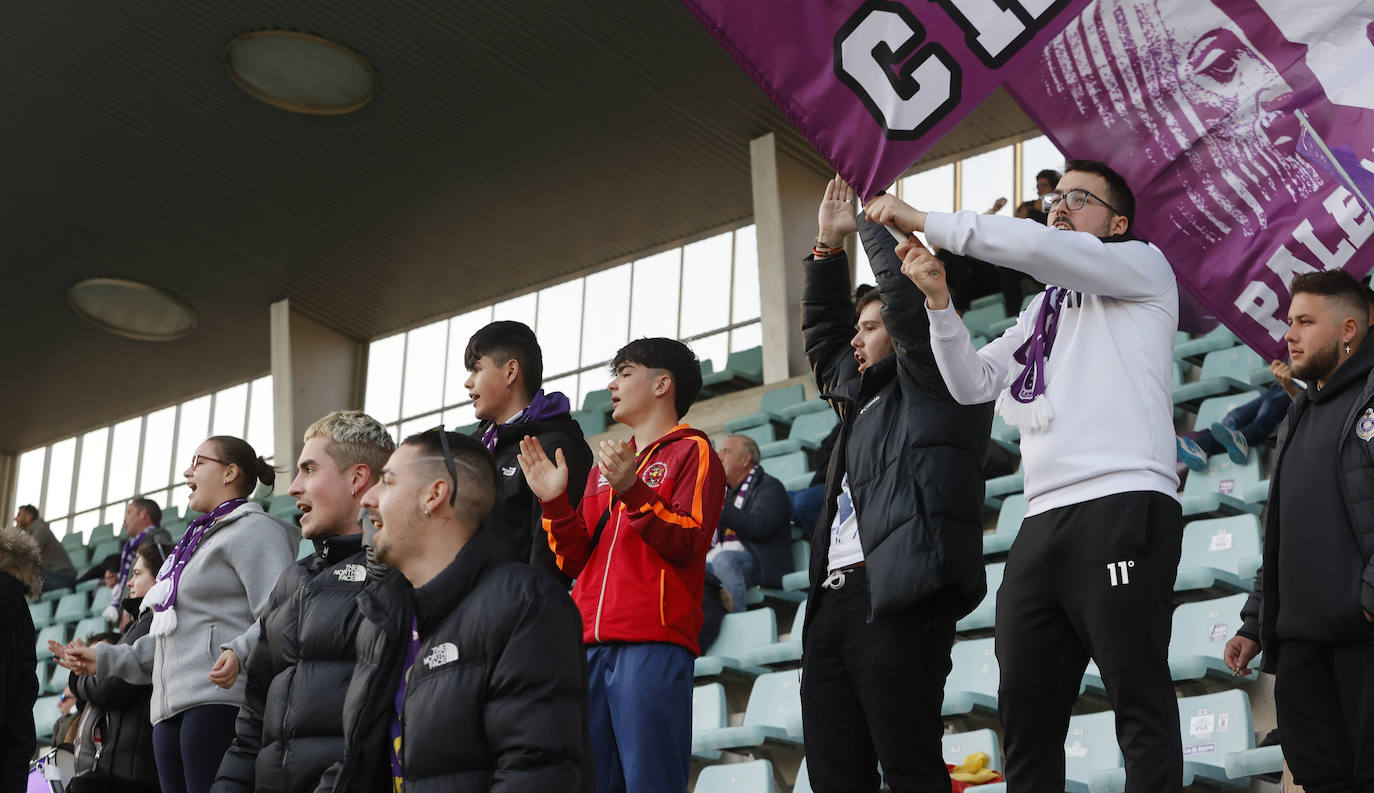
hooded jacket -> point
(642, 581)
(21, 576)
(119, 711)
(913, 454)
(290, 728)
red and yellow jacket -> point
(643, 580)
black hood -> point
(1354, 370)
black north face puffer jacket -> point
(913, 454)
(290, 728)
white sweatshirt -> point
(1109, 377)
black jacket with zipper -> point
(21, 576)
(913, 454)
(497, 697)
(119, 710)
(290, 728)
(1351, 566)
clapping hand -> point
(618, 464)
(548, 479)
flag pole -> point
(1349, 183)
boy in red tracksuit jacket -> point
(637, 546)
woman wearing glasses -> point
(204, 603)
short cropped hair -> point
(354, 437)
(751, 447)
(1118, 192)
(506, 340)
(149, 506)
(672, 356)
(30, 510)
(475, 494)
(1339, 288)
(1052, 175)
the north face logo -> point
(351, 573)
(508, 471)
(440, 655)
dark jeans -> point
(1324, 697)
(1091, 580)
(1256, 420)
(639, 699)
(871, 692)
(806, 507)
(189, 746)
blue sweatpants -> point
(640, 702)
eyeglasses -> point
(448, 463)
(1074, 200)
(197, 459)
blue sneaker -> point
(1190, 454)
(1236, 446)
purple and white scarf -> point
(543, 406)
(1023, 405)
(163, 594)
(127, 554)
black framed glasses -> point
(1074, 200)
(448, 463)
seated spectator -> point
(1243, 427)
(752, 545)
(114, 744)
(21, 576)
(58, 570)
(69, 711)
(479, 658)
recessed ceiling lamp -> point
(132, 309)
(300, 72)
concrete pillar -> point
(786, 193)
(315, 369)
(9, 480)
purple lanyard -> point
(412, 651)
(126, 562)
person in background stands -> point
(1244, 427)
(142, 520)
(753, 544)
(58, 570)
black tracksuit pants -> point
(871, 692)
(1324, 698)
(1091, 580)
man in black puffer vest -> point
(1313, 609)
(471, 674)
(505, 371)
(290, 728)
(897, 557)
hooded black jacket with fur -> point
(21, 576)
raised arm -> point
(827, 313)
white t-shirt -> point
(845, 548)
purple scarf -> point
(164, 593)
(127, 554)
(543, 406)
(1023, 405)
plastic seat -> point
(812, 429)
(742, 370)
(597, 401)
(780, 652)
(771, 406)
(71, 608)
(1223, 372)
(1219, 338)
(105, 548)
(779, 448)
(170, 515)
(755, 776)
(740, 631)
(798, 482)
(1219, 552)
(801, 560)
(708, 713)
(1009, 516)
(785, 467)
(102, 533)
(45, 715)
(981, 320)
(1216, 491)
(1258, 493)
(1219, 741)
(91, 625)
(90, 585)
(762, 434)
(959, 745)
(1005, 435)
(72, 541)
(972, 681)
(985, 615)
(52, 633)
(54, 679)
(773, 715)
(1092, 758)
(592, 422)
(803, 783)
(1200, 632)
(56, 594)
(998, 488)
(41, 613)
(793, 412)
(985, 301)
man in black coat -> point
(471, 675)
(291, 726)
(1313, 608)
(897, 557)
(505, 371)
(752, 546)
(21, 575)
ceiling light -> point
(300, 72)
(132, 309)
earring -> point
(1347, 348)
(426, 513)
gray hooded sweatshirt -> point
(222, 590)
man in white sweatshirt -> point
(1085, 374)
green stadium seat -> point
(72, 541)
(101, 533)
(1200, 632)
(986, 301)
(801, 559)
(1092, 758)
(984, 616)
(762, 434)
(1009, 516)
(80, 556)
(742, 630)
(779, 653)
(773, 716)
(1258, 493)
(54, 679)
(1223, 372)
(599, 401)
(743, 369)
(176, 528)
(1219, 741)
(786, 466)
(981, 320)
(71, 608)
(998, 488)
(91, 625)
(105, 548)
(771, 405)
(1216, 491)
(1219, 552)
(52, 633)
(41, 613)
(55, 594)
(972, 681)
(798, 482)
(1005, 435)
(470, 430)
(45, 715)
(811, 429)
(791, 412)
(170, 514)
(803, 783)
(593, 422)
(709, 712)
(779, 448)
(957, 746)
(90, 584)
(1220, 338)
(754, 776)
(1001, 326)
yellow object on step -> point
(974, 770)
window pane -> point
(931, 191)
(59, 527)
(653, 306)
(746, 297)
(454, 418)
(705, 279)
(91, 478)
(424, 389)
(180, 499)
(85, 523)
(124, 461)
(383, 399)
(606, 315)
(568, 385)
(1038, 154)
(987, 178)
(60, 478)
(560, 322)
(460, 329)
(419, 424)
(712, 348)
(519, 309)
(195, 428)
(157, 450)
(260, 432)
(863, 271)
(746, 337)
(29, 489)
(231, 411)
